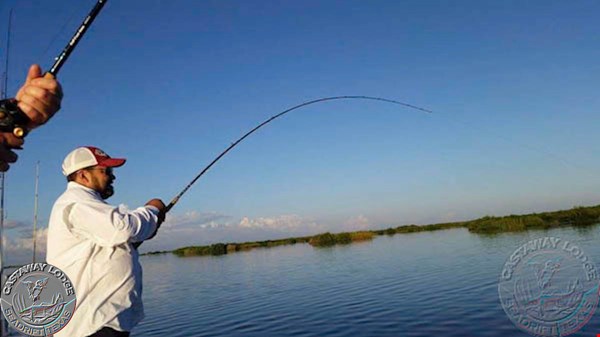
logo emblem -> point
(38, 299)
(549, 287)
(100, 153)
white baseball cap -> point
(88, 156)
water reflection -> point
(421, 284)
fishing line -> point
(319, 100)
(54, 38)
(527, 146)
(62, 29)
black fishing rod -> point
(176, 199)
(13, 119)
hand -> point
(162, 212)
(7, 142)
(161, 209)
(40, 97)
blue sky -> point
(170, 84)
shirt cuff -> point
(153, 209)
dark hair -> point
(71, 177)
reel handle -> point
(12, 118)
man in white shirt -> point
(95, 243)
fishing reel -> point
(13, 119)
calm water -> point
(425, 284)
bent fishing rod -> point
(386, 100)
(12, 118)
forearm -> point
(111, 226)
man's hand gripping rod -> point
(12, 119)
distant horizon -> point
(22, 250)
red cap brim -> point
(112, 162)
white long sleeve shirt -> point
(90, 241)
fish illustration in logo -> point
(545, 296)
(35, 288)
(38, 311)
(544, 274)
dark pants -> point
(109, 332)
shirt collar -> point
(75, 185)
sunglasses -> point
(105, 170)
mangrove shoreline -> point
(577, 216)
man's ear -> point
(83, 176)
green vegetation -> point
(577, 216)
(328, 239)
(228, 248)
(216, 249)
(323, 240)
(158, 252)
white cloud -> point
(225, 229)
(290, 222)
(195, 219)
(358, 222)
(11, 224)
(23, 245)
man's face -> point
(101, 179)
